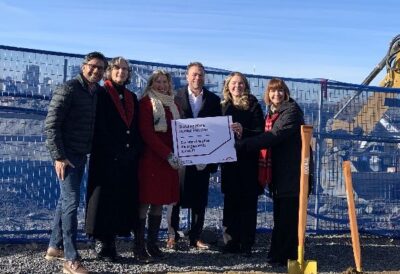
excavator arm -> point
(374, 108)
(362, 111)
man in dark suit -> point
(195, 101)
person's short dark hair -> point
(195, 64)
(95, 55)
(276, 83)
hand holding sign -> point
(204, 140)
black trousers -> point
(284, 240)
(196, 222)
(175, 220)
(240, 218)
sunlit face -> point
(195, 79)
(120, 72)
(93, 70)
(236, 87)
(161, 84)
(276, 96)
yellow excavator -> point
(374, 109)
(361, 112)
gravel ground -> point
(332, 253)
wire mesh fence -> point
(351, 122)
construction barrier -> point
(351, 122)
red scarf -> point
(265, 158)
(125, 110)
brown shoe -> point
(201, 245)
(171, 244)
(54, 254)
(74, 267)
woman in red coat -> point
(158, 167)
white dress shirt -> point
(195, 102)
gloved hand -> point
(201, 167)
(174, 161)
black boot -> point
(139, 247)
(105, 248)
(231, 246)
(152, 236)
(175, 221)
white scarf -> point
(158, 100)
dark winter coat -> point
(112, 191)
(159, 182)
(284, 140)
(241, 177)
(70, 119)
(194, 189)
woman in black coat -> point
(239, 179)
(112, 191)
(281, 167)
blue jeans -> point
(65, 224)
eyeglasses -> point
(93, 66)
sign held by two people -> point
(204, 140)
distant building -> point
(74, 70)
(30, 78)
(45, 88)
(10, 85)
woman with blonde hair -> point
(158, 167)
(239, 179)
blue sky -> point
(338, 40)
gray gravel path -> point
(333, 254)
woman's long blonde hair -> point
(227, 97)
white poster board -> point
(204, 140)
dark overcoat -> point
(284, 140)
(112, 191)
(241, 177)
(194, 188)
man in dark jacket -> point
(195, 101)
(69, 127)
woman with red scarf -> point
(112, 191)
(280, 158)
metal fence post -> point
(318, 150)
(65, 70)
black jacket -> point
(241, 177)
(194, 190)
(70, 119)
(112, 190)
(284, 140)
